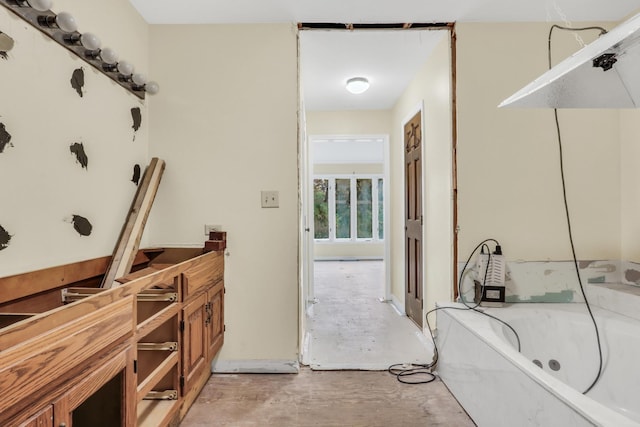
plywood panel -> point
(129, 240)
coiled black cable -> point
(406, 372)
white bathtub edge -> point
(590, 409)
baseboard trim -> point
(396, 304)
(349, 258)
(255, 366)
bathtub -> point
(499, 386)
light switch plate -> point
(209, 227)
(270, 199)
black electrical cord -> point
(403, 371)
(474, 308)
(408, 370)
(566, 208)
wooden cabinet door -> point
(215, 327)
(43, 418)
(104, 396)
(194, 340)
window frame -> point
(375, 208)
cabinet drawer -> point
(29, 367)
(202, 274)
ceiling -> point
(379, 11)
(388, 59)
(328, 58)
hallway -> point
(350, 328)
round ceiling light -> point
(357, 85)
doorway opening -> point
(352, 202)
(348, 203)
(350, 323)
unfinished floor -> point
(349, 329)
(323, 398)
(351, 326)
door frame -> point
(399, 305)
(306, 242)
(306, 198)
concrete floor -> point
(349, 328)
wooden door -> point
(215, 316)
(413, 218)
(194, 340)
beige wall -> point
(226, 123)
(43, 184)
(431, 88)
(117, 24)
(509, 184)
(373, 250)
(348, 168)
(364, 122)
(630, 184)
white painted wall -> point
(226, 123)
(225, 139)
(117, 24)
(431, 88)
(630, 184)
(509, 184)
(353, 168)
(369, 122)
(332, 251)
(341, 150)
(41, 182)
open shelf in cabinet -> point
(158, 357)
(154, 413)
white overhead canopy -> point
(603, 74)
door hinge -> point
(181, 382)
(208, 308)
(135, 366)
(182, 326)
(224, 328)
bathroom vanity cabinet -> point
(138, 354)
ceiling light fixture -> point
(63, 29)
(357, 85)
